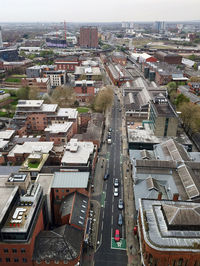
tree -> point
(171, 85)
(195, 66)
(103, 99)
(23, 93)
(190, 114)
(64, 96)
(180, 99)
(33, 94)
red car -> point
(117, 237)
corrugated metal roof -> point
(70, 180)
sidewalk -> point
(130, 212)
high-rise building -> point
(1, 42)
(89, 37)
(159, 26)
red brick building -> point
(119, 58)
(89, 37)
(85, 90)
(42, 85)
(169, 58)
(169, 232)
(67, 63)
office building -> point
(1, 41)
(89, 37)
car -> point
(128, 123)
(120, 219)
(120, 110)
(116, 192)
(132, 123)
(106, 176)
(117, 235)
(116, 182)
(109, 133)
(120, 204)
(110, 129)
(109, 136)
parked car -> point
(110, 129)
(116, 182)
(116, 192)
(128, 123)
(120, 219)
(132, 123)
(106, 176)
(120, 204)
(117, 237)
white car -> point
(116, 192)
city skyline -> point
(88, 11)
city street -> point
(108, 251)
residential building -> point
(36, 115)
(37, 71)
(22, 217)
(89, 37)
(57, 77)
(85, 90)
(59, 133)
(22, 180)
(169, 232)
(79, 155)
(42, 85)
(67, 63)
(87, 73)
(163, 117)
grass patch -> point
(18, 76)
(14, 80)
(33, 165)
(82, 109)
(6, 114)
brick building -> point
(119, 58)
(42, 85)
(59, 133)
(88, 37)
(169, 58)
(85, 90)
(194, 87)
(67, 63)
(22, 217)
(169, 232)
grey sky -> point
(98, 10)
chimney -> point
(175, 197)
(159, 195)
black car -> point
(106, 176)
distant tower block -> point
(1, 42)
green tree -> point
(171, 85)
(23, 93)
(180, 99)
(195, 66)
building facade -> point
(89, 37)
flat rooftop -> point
(77, 152)
(6, 134)
(164, 109)
(45, 180)
(29, 147)
(30, 103)
(59, 128)
(49, 107)
(68, 112)
(70, 180)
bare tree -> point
(103, 99)
(64, 96)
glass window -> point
(7, 259)
(24, 260)
(23, 250)
(5, 250)
(16, 260)
(14, 250)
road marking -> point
(112, 220)
(112, 207)
(103, 196)
(102, 226)
(118, 245)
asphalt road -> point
(105, 255)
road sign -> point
(118, 245)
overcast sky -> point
(98, 10)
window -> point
(23, 250)
(5, 250)
(7, 259)
(16, 260)
(14, 250)
(0, 259)
(24, 260)
(57, 197)
(67, 190)
(180, 262)
(63, 191)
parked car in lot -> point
(120, 204)
(110, 129)
(116, 192)
(120, 219)
(116, 182)
(117, 235)
(106, 176)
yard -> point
(82, 109)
